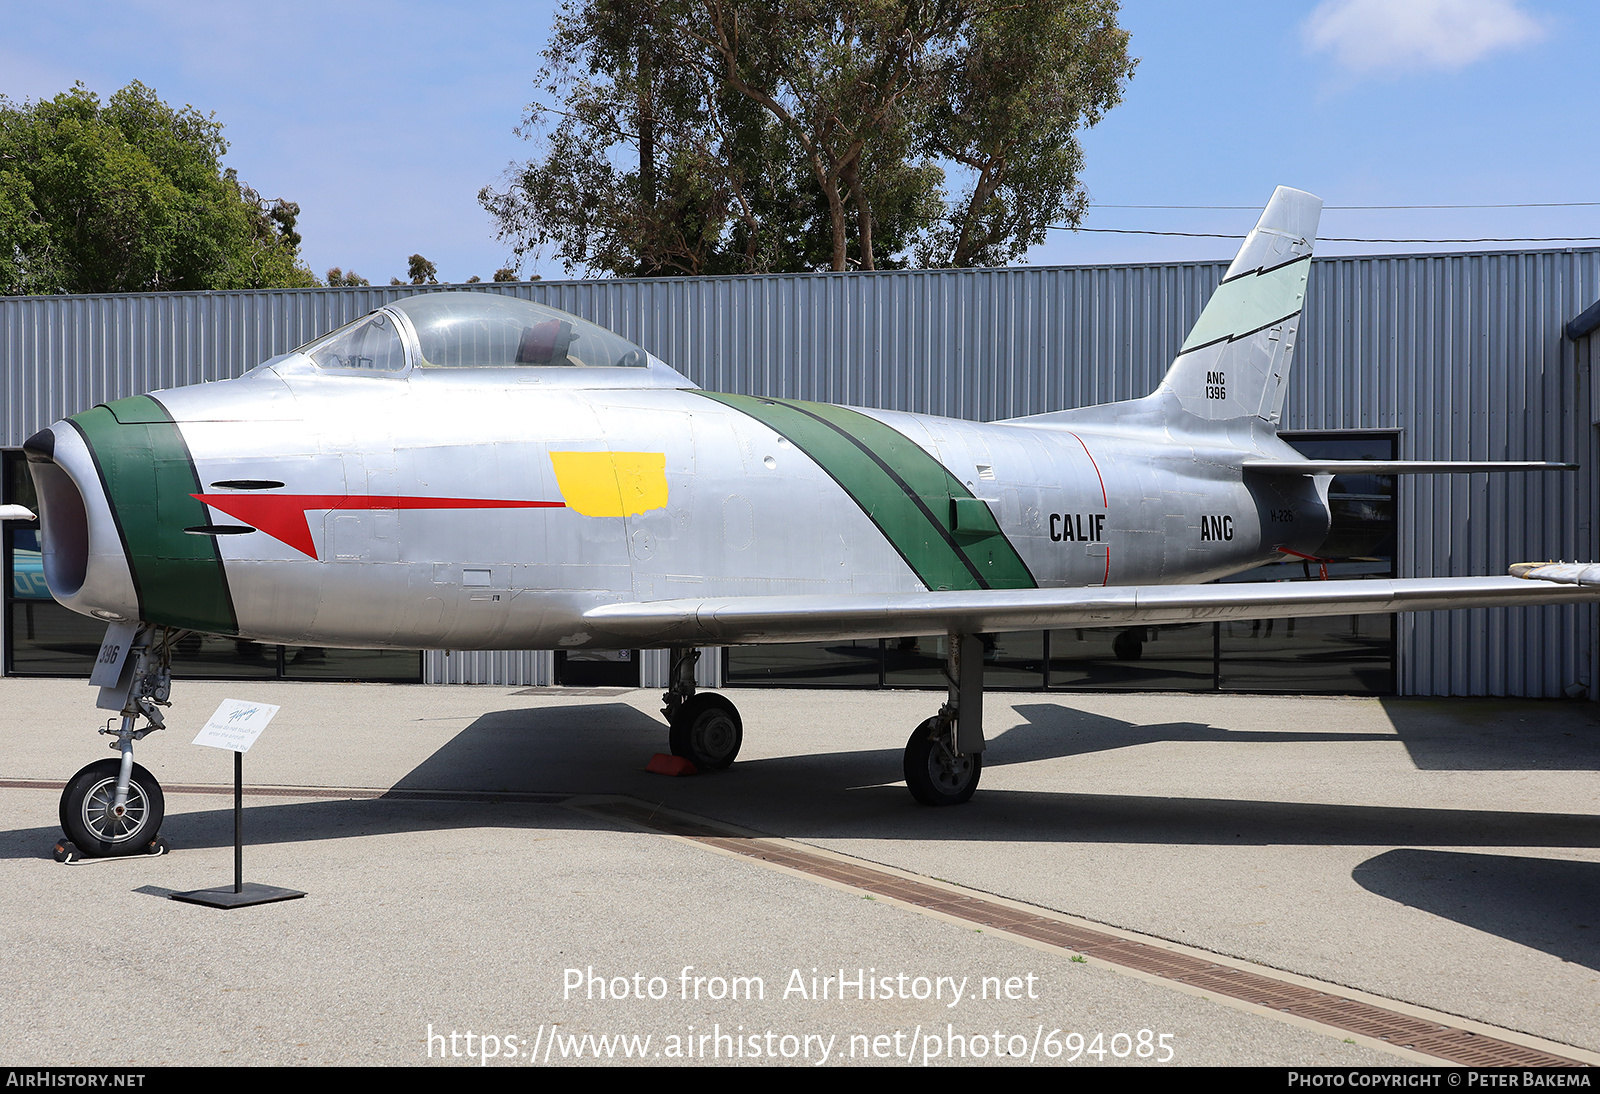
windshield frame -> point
(403, 330)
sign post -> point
(235, 726)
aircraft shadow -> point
(1497, 735)
(884, 813)
(546, 749)
(602, 749)
(1552, 905)
(1053, 732)
(305, 822)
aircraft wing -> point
(1565, 573)
(1399, 467)
(719, 621)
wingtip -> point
(1562, 573)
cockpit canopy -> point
(471, 330)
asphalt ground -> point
(1438, 856)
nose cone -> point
(122, 528)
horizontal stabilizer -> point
(721, 621)
(1398, 467)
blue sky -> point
(384, 120)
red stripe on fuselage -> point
(1104, 500)
(283, 516)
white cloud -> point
(1372, 36)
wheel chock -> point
(663, 763)
(66, 851)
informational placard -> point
(236, 725)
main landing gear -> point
(944, 757)
(115, 807)
(706, 728)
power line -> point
(1483, 239)
(1141, 232)
(1336, 239)
(1353, 208)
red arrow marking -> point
(283, 516)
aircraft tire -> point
(933, 776)
(86, 804)
(1129, 645)
(707, 732)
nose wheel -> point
(94, 822)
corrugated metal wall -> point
(533, 668)
(1462, 353)
(1465, 354)
(512, 668)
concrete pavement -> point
(1444, 855)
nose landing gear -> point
(115, 807)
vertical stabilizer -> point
(1235, 362)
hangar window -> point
(479, 330)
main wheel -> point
(707, 731)
(935, 775)
(86, 815)
(1129, 645)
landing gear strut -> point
(944, 757)
(115, 807)
(706, 728)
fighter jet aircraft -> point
(469, 471)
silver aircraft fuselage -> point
(490, 508)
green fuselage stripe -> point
(903, 489)
(149, 477)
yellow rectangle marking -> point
(611, 484)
